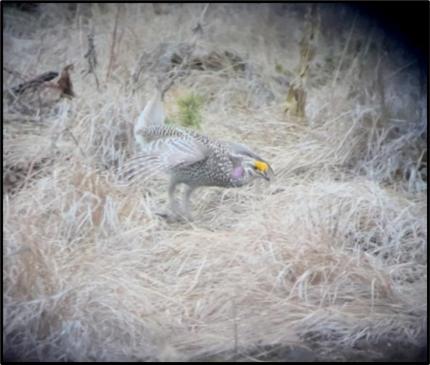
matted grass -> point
(330, 258)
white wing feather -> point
(162, 156)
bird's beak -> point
(266, 176)
(264, 169)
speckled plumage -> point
(191, 158)
(214, 169)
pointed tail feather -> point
(152, 115)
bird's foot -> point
(185, 215)
(169, 217)
(174, 217)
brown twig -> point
(198, 27)
(91, 56)
(112, 48)
(76, 142)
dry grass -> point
(330, 257)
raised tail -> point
(152, 116)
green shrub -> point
(279, 68)
(190, 107)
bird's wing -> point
(39, 80)
(162, 156)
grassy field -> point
(326, 262)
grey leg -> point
(172, 202)
(176, 213)
(187, 203)
(173, 214)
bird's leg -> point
(173, 214)
(187, 203)
(174, 207)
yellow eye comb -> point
(262, 166)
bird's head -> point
(258, 168)
(250, 169)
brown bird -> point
(44, 90)
(64, 83)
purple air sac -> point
(237, 172)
